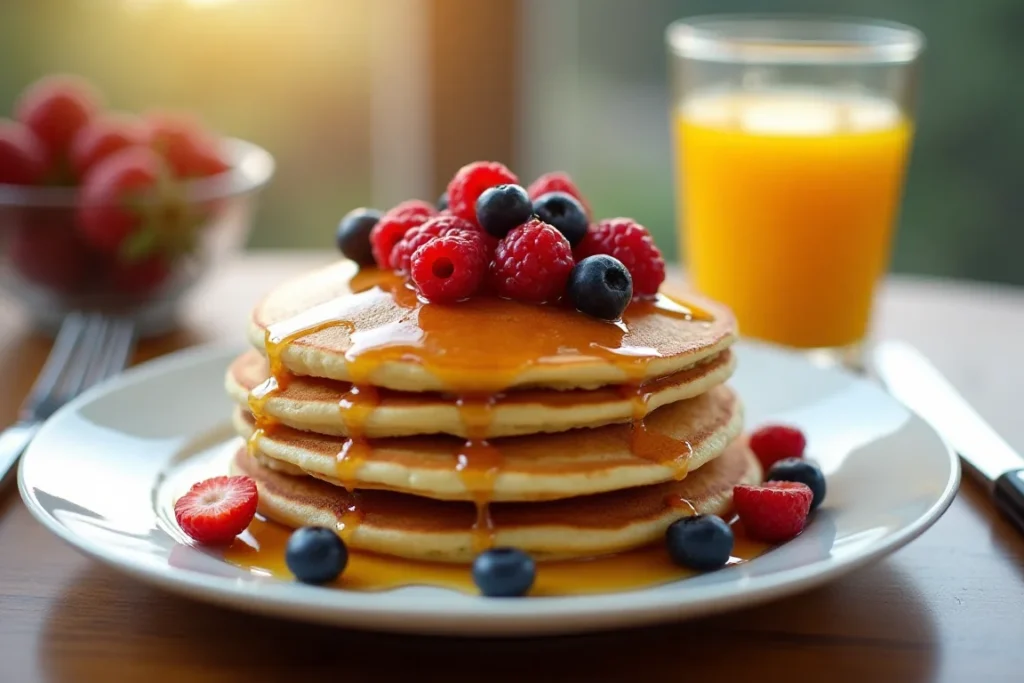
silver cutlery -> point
(88, 349)
(916, 383)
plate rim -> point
(477, 616)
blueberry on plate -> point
(565, 212)
(700, 542)
(353, 235)
(501, 208)
(442, 202)
(600, 286)
(315, 554)
(803, 471)
(503, 572)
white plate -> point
(101, 473)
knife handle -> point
(1009, 496)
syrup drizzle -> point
(469, 349)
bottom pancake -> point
(442, 531)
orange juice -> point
(787, 205)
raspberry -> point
(556, 182)
(394, 224)
(471, 181)
(438, 226)
(532, 263)
(774, 511)
(772, 443)
(628, 241)
(449, 268)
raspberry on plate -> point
(532, 263)
(450, 268)
(772, 443)
(628, 241)
(438, 226)
(394, 224)
(774, 511)
(471, 181)
(218, 509)
(556, 181)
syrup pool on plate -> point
(261, 551)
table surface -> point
(948, 607)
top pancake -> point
(370, 328)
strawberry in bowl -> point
(115, 212)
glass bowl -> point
(47, 266)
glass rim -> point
(856, 40)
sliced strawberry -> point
(216, 510)
(774, 511)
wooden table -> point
(948, 607)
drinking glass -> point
(791, 143)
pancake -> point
(312, 404)
(673, 440)
(423, 529)
(370, 328)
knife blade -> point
(917, 384)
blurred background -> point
(373, 101)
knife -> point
(915, 382)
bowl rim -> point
(252, 167)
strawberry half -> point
(216, 510)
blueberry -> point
(501, 208)
(315, 554)
(503, 572)
(600, 286)
(797, 469)
(442, 202)
(354, 234)
(565, 212)
(699, 542)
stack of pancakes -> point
(433, 431)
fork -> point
(88, 349)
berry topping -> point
(450, 268)
(353, 236)
(802, 471)
(56, 108)
(504, 572)
(122, 207)
(394, 224)
(628, 241)
(772, 443)
(438, 226)
(442, 202)
(22, 156)
(775, 511)
(532, 263)
(600, 286)
(100, 138)
(503, 207)
(701, 542)
(315, 554)
(556, 182)
(565, 212)
(470, 182)
(216, 510)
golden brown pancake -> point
(424, 529)
(676, 438)
(312, 404)
(371, 328)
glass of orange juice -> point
(791, 144)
